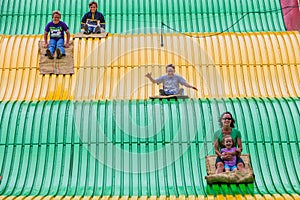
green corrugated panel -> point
(142, 148)
(23, 121)
(143, 16)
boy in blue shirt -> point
(56, 42)
(93, 21)
(170, 82)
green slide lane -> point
(142, 147)
(143, 16)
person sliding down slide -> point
(170, 82)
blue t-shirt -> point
(171, 84)
(56, 30)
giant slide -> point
(97, 135)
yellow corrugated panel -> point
(227, 197)
(224, 65)
(259, 197)
(220, 197)
(239, 197)
(230, 197)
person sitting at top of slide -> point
(93, 21)
(57, 41)
(170, 82)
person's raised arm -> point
(148, 75)
(189, 86)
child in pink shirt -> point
(229, 165)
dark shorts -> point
(238, 160)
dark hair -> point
(93, 2)
(232, 120)
(56, 12)
(170, 65)
(225, 137)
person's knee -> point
(240, 166)
(51, 45)
(60, 45)
(220, 165)
(220, 168)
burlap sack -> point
(228, 177)
(65, 65)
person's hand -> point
(227, 157)
(238, 152)
(148, 75)
(45, 45)
(194, 88)
(67, 45)
(102, 30)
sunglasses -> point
(227, 118)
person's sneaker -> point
(97, 29)
(86, 29)
(49, 54)
(59, 54)
(162, 92)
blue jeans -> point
(53, 44)
(91, 29)
(171, 92)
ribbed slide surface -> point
(97, 135)
(143, 16)
(116, 148)
(227, 65)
